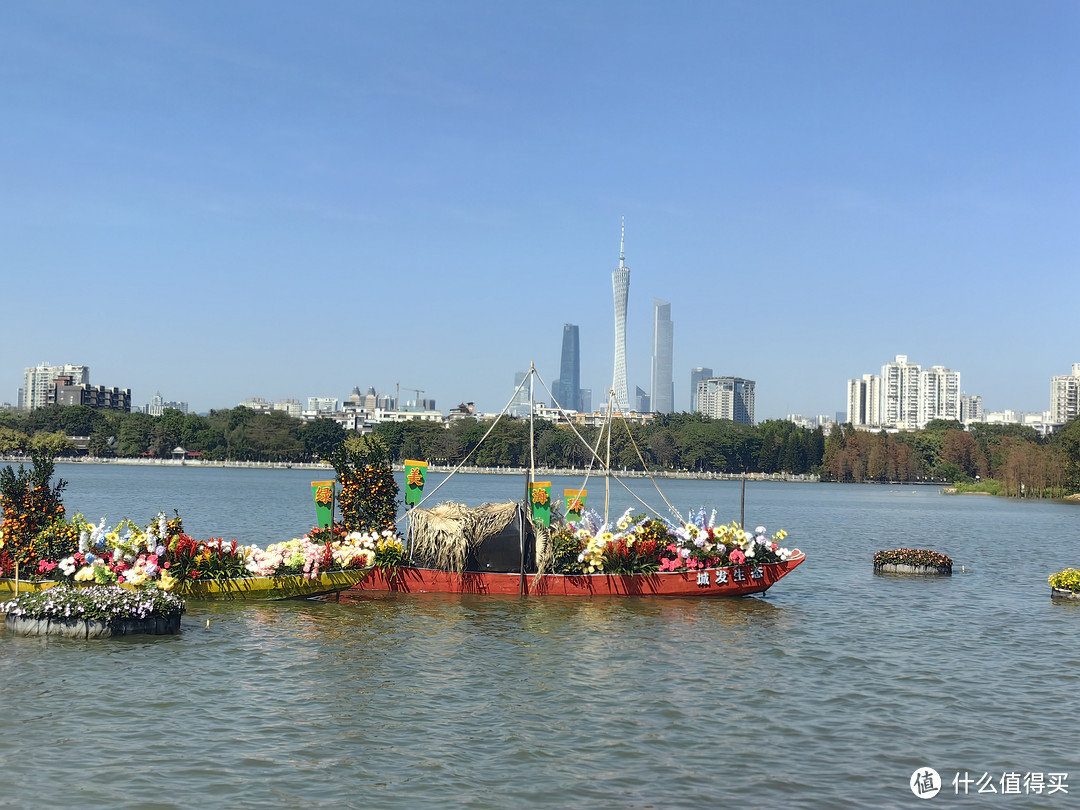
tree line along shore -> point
(1000, 459)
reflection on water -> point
(827, 691)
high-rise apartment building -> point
(1065, 396)
(864, 401)
(900, 394)
(620, 287)
(971, 408)
(939, 394)
(567, 389)
(39, 383)
(663, 388)
(727, 398)
(906, 397)
(697, 375)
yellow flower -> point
(167, 581)
(84, 574)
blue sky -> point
(225, 200)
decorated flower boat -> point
(161, 556)
(497, 549)
(545, 548)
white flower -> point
(759, 530)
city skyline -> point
(279, 203)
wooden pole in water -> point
(742, 503)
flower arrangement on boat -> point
(637, 544)
(162, 555)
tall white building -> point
(39, 381)
(939, 394)
(1065, 396)
(620, 287)
(663, 387)
(900, 394)
(697, 375)
(971, 408)
(864, 401)
(727, 398)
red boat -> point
(739, 580)
(510, 548)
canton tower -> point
(620, 285)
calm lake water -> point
(829, 691)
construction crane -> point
(397, 395)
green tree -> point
(321, 437)
(52, 444)
(13, 441)
(1067, 440)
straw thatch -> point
(442, 536)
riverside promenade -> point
(437, 468)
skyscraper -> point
(567, 389)
(620, 286)
(697, 375)
(521, 404)
(663, 389)
(641, 400)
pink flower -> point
(737, 557)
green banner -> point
(415, 475)
(575, 503)
(323, 493)
(540, 498)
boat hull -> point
(245, 588)
(739, 580)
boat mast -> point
(529, 478)
(607, 463)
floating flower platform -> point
(1065, 584)
(93, 612)
(912, 562)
